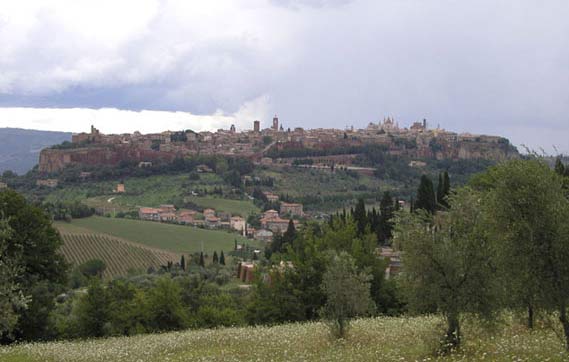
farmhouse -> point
(291, 209)
(271, 214)
(237, 223)
(276, 224)
(264, 235)
(149, 213)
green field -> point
(120, 256)
(174, 238)
(235, 207)
(380, 339)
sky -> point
(485, 66)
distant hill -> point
(20, 148)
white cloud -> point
(116, 121)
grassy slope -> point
(382, 339)
(120, 256)
(234, 207)
(174, 238)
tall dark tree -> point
(202, 260)
(385, 218)
(360, 217)
(183, 262)
(93, 310)
(426, 199)
(290, 233)
(215, 259)
(222, 258)
(559, 166)
(440, 190)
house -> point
(246, 271)
(186, 219)
(212, 221)
(237, 223)
(291, 209)
(120, 189)
(3, 185)
(167, 216)
(185, 213)
(149, 213)
(208, 212)
(167, 209)
(264, 235)
(47, 183)
(271, 197)
(204, 169)
(277, 224)
(271, 214)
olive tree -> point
(447, 262)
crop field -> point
(235, 207)
(168, 237)
(379, 339)
(120, 256)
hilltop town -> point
(274, 144)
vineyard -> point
(120, 256)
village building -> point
(3, 185)
(291, 209)
(212, 221)
(52, 183)
(167, 216)
(276, 224)
(237, 223)
(149, 213)
(270, 214)
(208, 212)
(264, 235)
(271, 197)
(246, 271)
(167, 209)
(120, 189)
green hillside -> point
(173, 238)
(381, 339)
(120, 256)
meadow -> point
(234, 207)
(173, 238)
(377, 339)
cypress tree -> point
(559, 167)
(183, 263)
(222, 258)
(215, 258)
(440, 190)
(360, 216)
(426, 198)
(202, 261)
(385, 223)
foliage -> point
(426, 199)
(447, 259)
(347, 293)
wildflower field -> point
(379, 339)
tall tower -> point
(275, 123)
(257, 126)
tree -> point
(443, 189)
(11, 297)
(448, 263)
(386, 208)
(290, 234)
(360, 216)
(36, 244)
(202, 261)
(215, 258)
(527, 212)
(165, 307)
(426, 196)
(93, 268)
(559, 167)
(347, 293)
(183, 262)
(93, 312)
(222, 258)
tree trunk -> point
(565, 323)
(530, 316)
(452, 336)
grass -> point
(235, 207)
(173, 238)
(120, 256)
(379, 339)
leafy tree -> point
(347, 293)
(11, 297)
(93, 268)
(222, 258)
(93, 312)
(44, 271)
(447, 265)
(426, 195)
(165, 308)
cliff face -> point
(53, 160)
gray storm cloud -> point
(486, 66)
